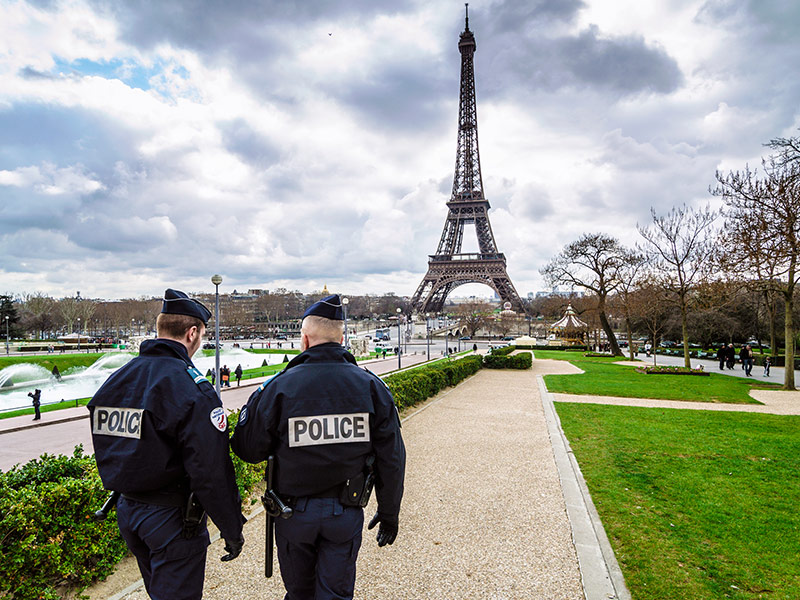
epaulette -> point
(376, 377)
(195, 374)
(263, 385)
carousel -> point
(569, 330)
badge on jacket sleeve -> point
(219, 419)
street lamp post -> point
(345, 302)
(428, 333)
(6, 334)
(399, 310)
(79, 334)
(216, 280)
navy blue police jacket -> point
(321, 417)
(158, 424)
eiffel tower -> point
(449, 268)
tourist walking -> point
(767, 365)
(238, 372)
(730, 356)
(746, 356)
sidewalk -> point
(484, 513)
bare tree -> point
(630, 276)
(678, 251)
(69, 310)
(473, 315)
(765, 212)
(650, 310)
(593, 262)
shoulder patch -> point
(218, 418)
(196, 375)
(242, 416)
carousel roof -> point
(570, 320)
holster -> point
(357, 490)
(193, 515)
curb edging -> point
(601, 576)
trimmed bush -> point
(417, 385)
(503, 351)
(48, 536)
(523, 360)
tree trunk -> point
(612, 339)
(788, 376)
(773, 335)
(684, 331)
(630, 336)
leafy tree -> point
(8, 310)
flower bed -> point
(656, 370)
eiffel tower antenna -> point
(449, 268)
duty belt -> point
(159, 498)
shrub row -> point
(523, 360)
(546, 347)
(50, 543)
(416, 385)
(503, 351)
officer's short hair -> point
(327, 329)
(175, 326)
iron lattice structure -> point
(449, 268)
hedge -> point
(49, 539)
(523, 360)
(502, 351)
(416, 385)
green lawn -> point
(48, 361)
(602, 378)
(697, 504)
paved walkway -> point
(495, 508)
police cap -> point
(329, 307)
(178, 303)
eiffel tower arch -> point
(449, 267)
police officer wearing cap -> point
(160, 439)
(326, 421)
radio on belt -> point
(328, 429)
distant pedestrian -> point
(474, 347)
(746, 356)
(730, 356)
(722, 355)
(767, 365)
(213, 375)
(238, 373)
(225, 376)
(36, 395)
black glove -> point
(387, 532)
(233, 548)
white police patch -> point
(243, 416)
(328, 429)
(219, 419)
(119, 422)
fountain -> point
(83, 382)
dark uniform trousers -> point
(317, 549)
(173, 567)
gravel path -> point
(483, 516)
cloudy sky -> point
(146, 144)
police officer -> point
(160, 438)
(325, 420)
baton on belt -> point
(110, 503)
(274, 507)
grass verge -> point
(602, 378)
(697, 504)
